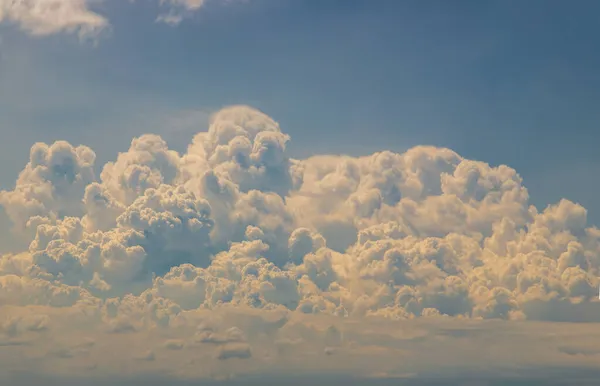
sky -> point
(269, 176)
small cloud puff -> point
(46, 17)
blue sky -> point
(500, 81)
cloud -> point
(234, 350)
(178, 9)
(51, 184)
(239, 257)
(46, 17)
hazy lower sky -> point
(255, 189)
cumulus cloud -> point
(51, 184)
(46, 17)
(234, 252)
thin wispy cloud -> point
(47, 17)
(178, 9)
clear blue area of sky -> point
(502, 81)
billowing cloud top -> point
(240, 249)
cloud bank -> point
(233, 257)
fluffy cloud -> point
(247, 250)
(46, 17)
(51, 185)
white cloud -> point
(178, 9)
(46, 17)
(359, 264)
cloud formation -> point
(178, 9)
(243, 255)
(47, 17)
